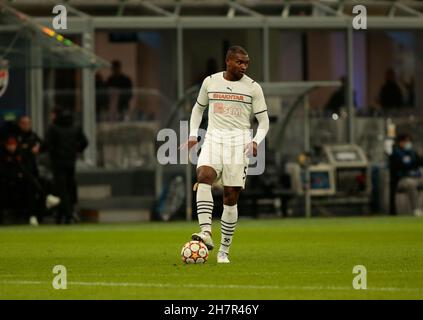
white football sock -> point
(228, 224)
(204, 206)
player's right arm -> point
(197, 115)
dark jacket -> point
(64, 141)
(27, 141)
(337, 100)
(7, 129)
(390, 96)
(13, 183)
(12, 171)
(404, 163)
(124, 84)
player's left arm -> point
(263, 127)
(260, 112)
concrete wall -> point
(200, 45)
(322, 62)
(155, 67)
(150, 63)
(125, 52)
(360, 61)
(380, 55)
(285, 56)
(401, 51)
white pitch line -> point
(208, 286)
(21, 282)
(140, 284)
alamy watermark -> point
(360, 20)
(60, 21)
(60, 281)
(360, 280)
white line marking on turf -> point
(208, 286)
(140, 284)
(329, 272)
(22, 282)
(164, 285)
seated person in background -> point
(405, 174)
(17, 184)
(14, 191)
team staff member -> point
(64, 141)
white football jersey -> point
(231, 105)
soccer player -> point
(232, 98)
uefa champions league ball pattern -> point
(194, 252)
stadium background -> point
(166, 48)
(299, 50)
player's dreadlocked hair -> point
(234, 50)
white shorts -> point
(229, 162)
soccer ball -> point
(194, 252)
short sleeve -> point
(259, 103)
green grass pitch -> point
(271, 259)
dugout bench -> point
(256, 202)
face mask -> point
(408, 146)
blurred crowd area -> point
(139, 94)
(37, 174)
(151, 69)
(150, 85)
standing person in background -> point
(337, 100)
(390, 94)
(120, 88)
(29, 144)
(64, 141)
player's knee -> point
(230, 196)
(206, 175)
(204, 178)
(230, 200)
